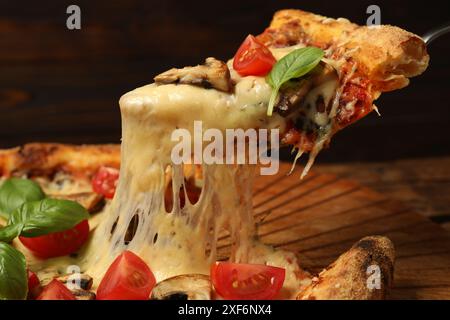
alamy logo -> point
(374, 277)
(74, 280)
(73, 21)
(375, 15)
(212, 147)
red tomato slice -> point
(55, 290)
(58, 243)
(34, 285)
(105, 181)
(128, 278)
(253, 58)
(238, 281)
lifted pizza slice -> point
(360, 63)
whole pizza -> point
(142, 221)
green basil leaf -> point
(294, 65)
(48, 216)
(13, 274)
(8, 233)
(15, 191)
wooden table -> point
(421, 184)
(321, 216)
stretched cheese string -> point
(186, 239)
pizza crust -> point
(353, 275)
(387, 55)
(45, 159)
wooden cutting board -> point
(321, 216)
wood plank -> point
(320, 217)
(422, 184)
(446, 226)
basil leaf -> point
(13, 274)
(48, 216)
(294, 65)
(8, 233)
(15, 191)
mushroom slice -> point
(292, 96)
(294, 93)
(81, 291)
(81, 294)
(183, 287)
(85, 280)
(212, 74)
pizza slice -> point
(368, 61)
(167, 218)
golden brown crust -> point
(387, 55)
(354, 275)
(45, 159)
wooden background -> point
(61, 85)
(323, 215)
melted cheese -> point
(185, 240)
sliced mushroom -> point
(184, 287)
(81, 294)
(85, 280)
(294, 93)
(292, 96)
(212, 74)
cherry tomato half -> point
(58, 243)
(238, 281)
(34, 285)
(128, 278)
(253, 58)
(105, 181)
(55, 290)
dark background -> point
(61, 85)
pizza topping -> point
(85, 281)
(105, 181)
(291, 97)
(292, 66)
(13, 273)
(48, 227)
(38, 218)
(247, 281)
(15, 191)
(55, 290)
(128, 278)
(81, 294)
(253, 58)
(212, 74)
(184, 287)
(34, 285)
(58, 243)
(355, 102)
(43, 226)
(79, 285)
(46, 216)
